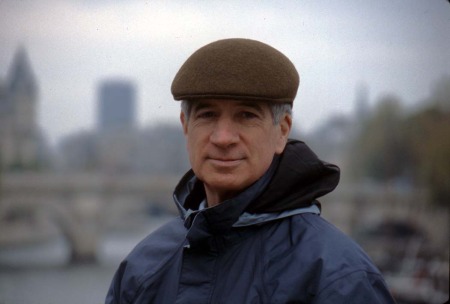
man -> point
(249, 229)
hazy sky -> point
(398, 47)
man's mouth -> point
(225, 162)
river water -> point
(40, 274)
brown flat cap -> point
(237, 69)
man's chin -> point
(225, 184)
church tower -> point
(18, 126)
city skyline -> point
(391, 47)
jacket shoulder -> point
(145, 261)
(318, 258)
(336, 252)
(158, 243)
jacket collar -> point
(190, 193)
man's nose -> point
(225, 133)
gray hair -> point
(277, 110)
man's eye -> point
(205, 114)
(248, 115)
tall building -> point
(116, 105)
(19, 133)
(116, 140)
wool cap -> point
(237, 68)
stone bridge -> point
(81, 206)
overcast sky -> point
(398, 47)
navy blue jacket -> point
(266, 245)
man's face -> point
(231, 144)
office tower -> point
(116, 125)
(116, 105)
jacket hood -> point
(295, 179)
(300, 178)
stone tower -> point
(18, 125)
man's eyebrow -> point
(198, 105)
(252, 104)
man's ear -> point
(184, 123)
(285, 126)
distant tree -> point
(379, 151)
(414, 148)
(428, 133)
